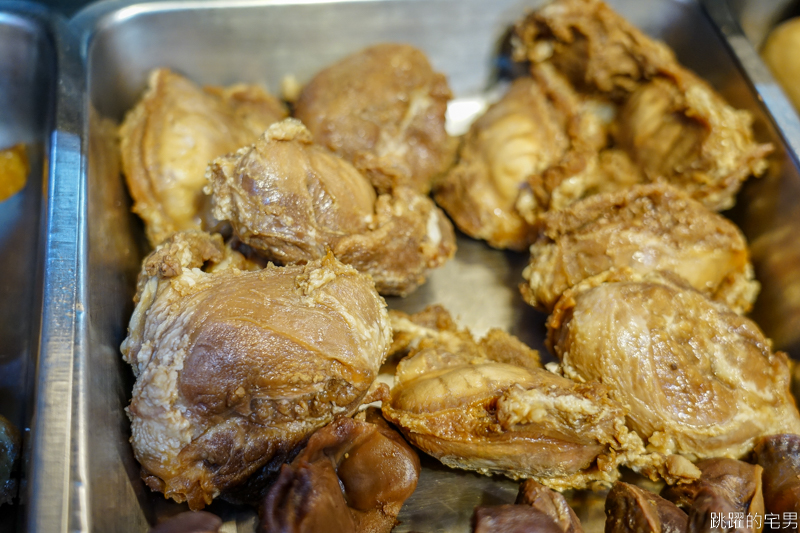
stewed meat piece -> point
(170, 136)
(698, 379)
(292, 200)
(231, 369)
(382, 109)
(645, 228)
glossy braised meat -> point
(737, 482)
(698, 379)
(232, 372)
(382, 109)
(540, 147)
(9, 457)
(779, 456)
(671, 123)
(645, 228)
(454, 400)
(170, 136)
(292, 200)
(630, 509)
(353, 477)
(521, 135)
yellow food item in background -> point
(780, 52)
(14, 170)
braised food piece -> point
(698, 379)
(521, 135)
(9, 456)
(353, 476)
(550, 503)
(455, 401)
(645, 228)
(779, 456)
(382, 109)
(292, 200)
(671, 123)
(171, 135)
(735, 485)
(630, 509)
(231, 368)
(14, 170)
(679, 131)
(190, 522)
(541, 147)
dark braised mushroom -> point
(353, 476)
(779, 456)
(630, 509)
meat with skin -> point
(521, 135)
(725, 484)
(670, 122)
(382, 109)
(540, 147)
(292, 200)
(455, 401)
(231, 371)
(353, 476)
(630, 509)
(779, 456)
(645, 228)
(698, 379)
(171, 135)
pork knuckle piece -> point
(171, 135)
(292, 200)
(231, 368)
(645, 228)
(382, 109)
(698, 379)
(454, 399)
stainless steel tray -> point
(27, 89)
(97, 481)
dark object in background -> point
(9, 454)
(630, 509)
(779, 456)
(353, 476)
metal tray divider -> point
(55, 482)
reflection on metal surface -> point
(261, 41)
(27, 85)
